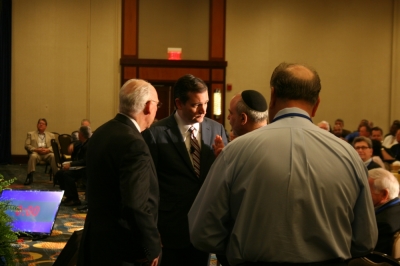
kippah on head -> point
(254, 100)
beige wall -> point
(65, 55)
(65, 64)
(348, 42)
(173, 23)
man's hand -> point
(42, 151)
(218, 145)
(155, 262)
(66, 166)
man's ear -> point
(315, 107)
(147, 108)
(178, 103)
(273, 99)
(243, 118)
(385, 196)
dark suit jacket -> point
(373, 165)
(388, 221)
(178, 182)
(81, 155)
(121, 224)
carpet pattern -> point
(44, 252)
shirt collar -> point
(133, 121)
(367, 162)
(291, 110)
(183, 128)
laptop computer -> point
(38, 211)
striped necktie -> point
(195, 151)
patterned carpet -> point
(44, 252)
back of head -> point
(383, 179)
(133, 96)
(188, 83)
(85, 122)
(86, 131)
(296, 82)
(324, 125)
(254, 105)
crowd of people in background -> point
(277, 190)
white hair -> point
(383, 179)
(133, 96)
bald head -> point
(296, 82)
(294, 85)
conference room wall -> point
(65, 57)
(354, 45)
(65, 64)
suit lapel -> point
(206, 142)
(48, 140)
(124, 119)
(175, 137)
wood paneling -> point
(217, 29)
(164, 73)
(171, 74)
(129, 72)
(218, 75)
(129, 28)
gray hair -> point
(365, 139)
(323, 122)
(133, 96)
(255, 116)
(85, 131)
(383, 179)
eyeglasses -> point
(159, 104)
(361, 148)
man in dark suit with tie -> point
(182, 167)
(121, 224)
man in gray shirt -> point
(288, 192)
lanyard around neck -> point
(289, 115)
(387, 205)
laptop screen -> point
(38, 210)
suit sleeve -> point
(139, 196)
(28, 143)
(151, 143)
(365, 232)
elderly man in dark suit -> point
(121, 224)
(182, 149)
(385, 191)
(75, 170)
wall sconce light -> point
(217, 103)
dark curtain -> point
(5, 81)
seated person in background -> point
(363, 146)
(67, 178)
(394, 151)
(384, 191)
(38, 145)
(247, 111)
(350, 137)
(340, 123)
(324, 125)
(377, 134)
(390, 139)
(75, 145)
(338, 131)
